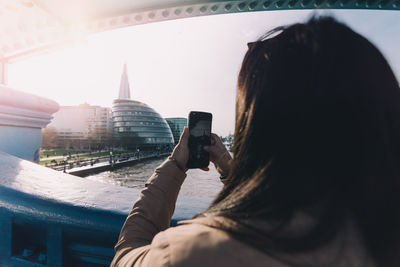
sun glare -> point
(173, 66)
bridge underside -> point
(32, 26)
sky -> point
(177, 66)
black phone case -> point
(197, 160)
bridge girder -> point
(33, 26)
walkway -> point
(80, 154)
(104, 164)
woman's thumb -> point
(209, 149)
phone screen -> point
(200, 136)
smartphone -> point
(200, 136)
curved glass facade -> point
(176, 125)
(140, 123)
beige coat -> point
(147, 240)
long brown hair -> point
(317, 125)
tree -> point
(49, 138)
(100, 138)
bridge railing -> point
(49, 218)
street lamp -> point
(65, 163)
(111, 159)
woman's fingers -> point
(216, 148)
(215, 139)
(208, 148)
(219, 155)
(181, 150)
(184, 136)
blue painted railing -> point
(48, 218)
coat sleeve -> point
(150, 215)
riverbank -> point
(111, 165)
(70, 154)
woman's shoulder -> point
(194, 243)
(193, 235)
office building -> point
(176, 125)
(81, 126)
(135, 123)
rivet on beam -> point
(228, 7)
(241, 6)
(214, 8)
(165, 13)
(189, 10)
(266, 4)
(253, 5)
(178, 12)
(203, 9)
(279, 4)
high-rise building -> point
(128, 123)
(77, 126)
(176, 125)
(135, 123)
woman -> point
(315, 175)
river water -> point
(198, 183)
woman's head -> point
(317, 124)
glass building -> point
(135, 123)
(176, 125)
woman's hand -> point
(181, 150)
(219, 155)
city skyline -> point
(176, 66)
